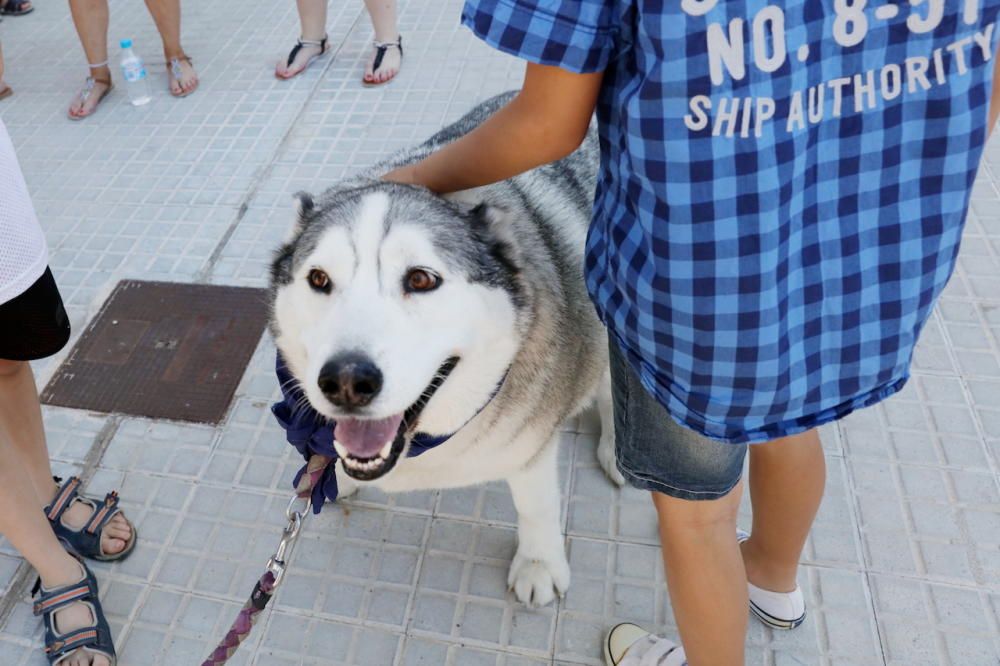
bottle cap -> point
(126, 43)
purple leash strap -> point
(276, 566)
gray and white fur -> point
(509, 304)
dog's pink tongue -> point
(364, 438)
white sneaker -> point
(630, 645)
(778, 610)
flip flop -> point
(175, 70)
(380, 51)
(88, 89)
(16, 7)
(299, 43)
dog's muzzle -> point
(396, 430)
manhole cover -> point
(163, 350)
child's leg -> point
(696, 491)
(24, 524)
(23, 435)
(705, 576)
(21, 427)
(787, 477)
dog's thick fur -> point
(512, 308)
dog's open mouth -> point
(369, 448)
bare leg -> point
(167, 16)
(312, 16)
(4, 88)
(25, 526)
(383, 15)
(22, 521)
(711, 605)
(787, 477)
(91, 20)
(21, 430)
(540, 569)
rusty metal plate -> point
(163, 350)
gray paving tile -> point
(924, 623)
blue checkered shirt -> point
(782, 188)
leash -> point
(312, 436)
(274, 573)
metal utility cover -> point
(163, 350)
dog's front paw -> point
(536, 582)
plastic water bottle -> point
(134, 72)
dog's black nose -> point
(350, 380)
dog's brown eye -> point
(419, 279)
(319, 280)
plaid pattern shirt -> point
(782, 191)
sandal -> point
(88, 89)
(175, 71)
(94, 638)
(87, 540)
(16, 7)
(380, 51)
(299, 43)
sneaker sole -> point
(607, 649)
(775, 622)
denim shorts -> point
(655, 453)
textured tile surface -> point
(902, 566)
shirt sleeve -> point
(576, 35)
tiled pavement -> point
(903, 566)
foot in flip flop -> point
(15, 7)
(386, 60)
(95, 89)
(300, 57)
(182, 77)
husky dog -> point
(398, 311)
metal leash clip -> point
(278, 562)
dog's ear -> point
(304, 209)
(494, 222)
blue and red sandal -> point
(87, 540)
(94, 638)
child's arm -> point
(545, 122)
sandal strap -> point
(71, 641)
(299, 43)
(384, 45)
(87, 91)
(381, 48)
(68, 492)
(95, 65)
(49, 601)
(104, 511)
